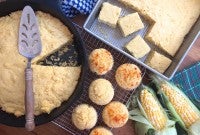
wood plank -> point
(46, 129)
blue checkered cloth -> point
(189, 81)
(73, 7)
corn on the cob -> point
(152, 109)
(182, 107)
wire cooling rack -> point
(121, 95)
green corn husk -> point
(194, 129)
(143, 125)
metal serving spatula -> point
(29, 46)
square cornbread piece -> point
(158, 61)
(130, 24)
(170, 20)
(138, 47)
(109, 14)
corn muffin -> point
(109, 14)
(115, 114)
(84, 117)
(170, 20)
(138, 47)
(52, 84)
(130, 24)
(101, 91)
(100, 61)
(100, 131)
(158, 61)
(128, 76)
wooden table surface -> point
(51, 129)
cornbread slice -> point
(130, 24)
(138, 47)
(128, 76)
(158, 61)
(115, 114)
(84, 117)
(52, 86)
(170, 20)
(109, 14)
(54, 34)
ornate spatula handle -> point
(29, 99)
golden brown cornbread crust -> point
(128, 76)
(100, 61)
(100, 131)
(101, 91)
(171, 20)
(52, 84)
(130, 24)
(115, 114)
(158, 61)
(138, 47)
(84, 116)
(109, 14)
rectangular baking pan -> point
(114, 38)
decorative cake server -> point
(30, 47)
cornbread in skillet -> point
(100, 61)
(170, 20)
(115, 114)
(109, 14)
(100, 131)
(138, 47)
(52, 84)
(128, 76)
(54, 34)
(101, 91)
(84, 117)
(130, 24)
(158, 61)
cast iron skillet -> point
(52, 7)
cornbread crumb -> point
(109, 14)
(158, 61)
(101, 91)
(128, 76)
(115, 114)
(130, 24)
(138, 47)
(100, 131)
(84, 117)
(100, 61)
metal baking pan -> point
(52, 7)
(114, 38)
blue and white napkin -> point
(73, 7)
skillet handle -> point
(29, 100)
